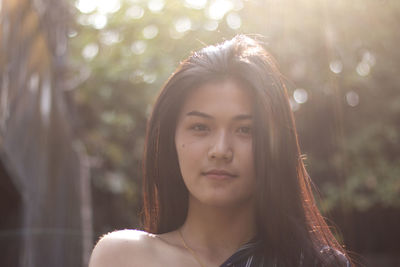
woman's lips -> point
(219, 174)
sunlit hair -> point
(289, 224)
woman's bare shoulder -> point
(124, 248)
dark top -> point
(245, 256)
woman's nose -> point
(221, 148)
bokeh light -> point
(218, 8)
(369, 58)
(352, 98)
(149, 77)
(134, 12)
(102, 6)
(300, 95)
(195, 4)
(234, 21)
(110, 37)
(150, 31)
(97, 20)
(336, 66)
(86, 6)
(183, 24)
(363, 68)
(156, 6)
(90, 51)
(108, 6)
(138, 47)
(211, 25)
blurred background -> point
(78, 79)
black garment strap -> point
(245, 256)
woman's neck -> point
(218, 230)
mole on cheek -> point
(183, 145)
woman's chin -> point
(223, 201)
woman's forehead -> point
(222, 97)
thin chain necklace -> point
(194, 254)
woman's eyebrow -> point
(207, 116)
(200, 114)
(243, 117)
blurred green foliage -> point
(341, 60)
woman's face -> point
(214, 144)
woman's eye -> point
(199, 127)
(244, 130)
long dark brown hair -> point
(289, 224)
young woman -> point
(224, 182)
